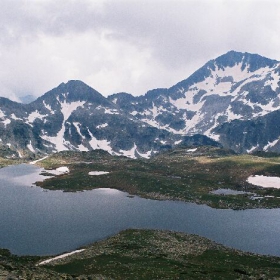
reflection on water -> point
(36, 222)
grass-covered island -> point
(191, 175)
(145, 254)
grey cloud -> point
(25, 19)
(179, 31)
(137, 44)
(171, 28)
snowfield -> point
(97, 173)
(35, 161)
(60, 257)
(62, 169)
(191, 150)
(264, 181)
(59, 171)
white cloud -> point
(128, 46)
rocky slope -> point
(235, 86)
(232, 99)
(74, 116)
(144, 254)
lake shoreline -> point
(128, 210)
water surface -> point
(38, 222)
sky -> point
(125, 45)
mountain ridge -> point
(235, 87)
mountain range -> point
(234, 100)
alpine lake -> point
(182, 214)
(35, 221)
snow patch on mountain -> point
(6, 122)
(99, 144)
(155, 111)
(35, 115)
(77, 126)
(187, 102)
(66, 109)
(177, 142)
(60, 257)
(191, 123)
(47, 106)
(30, 147)
(266, 108)
(273, 81)
(231, 115)
(115, 100)
(82, 148)
(213, 136)
(130, 153)
(151, 122)
(145, 155)
(252, 149)
(270, 144)
(14, 117)
(134, 153)
(59, 171)
(111, 111)
(2, 115)
(19, 154)
(102, 125)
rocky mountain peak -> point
(234, 86)
(250, 62)
(72, 91)
(233, 63)
(233, 91)
(121, 98)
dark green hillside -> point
(148, 254)
(145, 254)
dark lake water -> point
(38, 222)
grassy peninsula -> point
(145, 254)
(176, 175)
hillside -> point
(145, 254)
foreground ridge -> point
(146, 254)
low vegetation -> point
(150, 254)
(4, 161)
(146, 254)
(13, 267)
(10, 157)
(177, 175)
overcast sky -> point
(130, 46)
